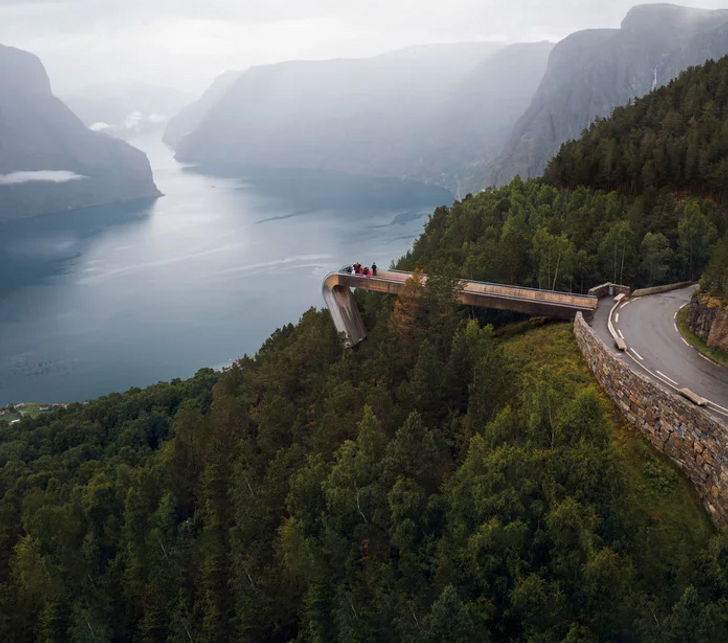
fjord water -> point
(106, 298)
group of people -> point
(357, 270)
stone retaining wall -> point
(655, 290)
(604, 290)
(688, 435)
(708, 319)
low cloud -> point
(41, 176)
(186, 43)
(133, 119)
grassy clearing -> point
(31, 410)
(666, 508)
(715, 354)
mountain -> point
(675, 138)
(193, 114)
(481, 113)
(443, 483)
(125, 109)
(49, 160)
(424, 112)
(591, 72)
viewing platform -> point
(531, 301)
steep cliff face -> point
(366, 116)
(708, 319)
(49, 161)
(592, 72)
(192, 115)
(430, 113)
(479, 116)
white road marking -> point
(666, 377)
(718, 406)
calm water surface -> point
(107, 298)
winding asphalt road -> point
(655, 346)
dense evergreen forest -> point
(638, 199)
(534, 234)
(446, 481)
(673, 141)
(674, 138)
(440, 484)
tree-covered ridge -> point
(674, 138)
(534, 234)
(440, 484)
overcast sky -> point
(185, 43)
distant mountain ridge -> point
(364, 116)
(463, 116)
(125, 110)
(415, 113)
(193, 114)
(49, 161)
(481, 114)
(592, 72)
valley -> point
(102, 299)
(431, 458)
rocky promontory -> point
(49, 160)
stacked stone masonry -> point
(656, 290)
(708, 319)
(692, 438)
(610, 289)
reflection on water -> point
(106, 298)
(32, 250)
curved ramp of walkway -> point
(531, 301)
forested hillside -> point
(439, 484)
(446, 481)
(592, 72)
(534, 234)
(674, 138)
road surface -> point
(655, 345)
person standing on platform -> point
(374, 269)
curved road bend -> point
(654, 343)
